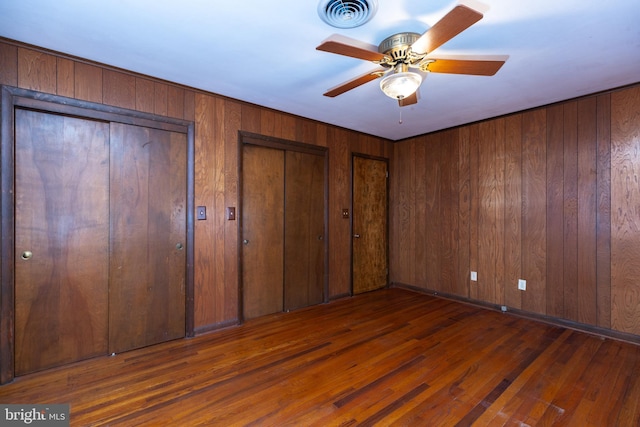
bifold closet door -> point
(61, 239)
(262, 230)
(304, 230)
(148, 236)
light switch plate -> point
(201, 212)
(474, 276)
(231, 213)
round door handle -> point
(245, 242)
(179, 246)
(357, 236)
(321, 237)
(26, 255)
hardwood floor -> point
(389, 357)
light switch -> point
(231, 213)
(345, 213)
(201, 212)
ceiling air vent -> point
(347, 13)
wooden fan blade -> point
(409, 100)
(355, 82)
(453, 23)
(465, 66)
(350, 47)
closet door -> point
(148, 236)
(61, 239)
(262, 230)
(304, 244)
(283, 229)
(370, 215)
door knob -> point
(179, 246)
(245, 241)
(357, 236)
(27, 255)
(321, 237)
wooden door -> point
(369, 226)
(148, 236)
(61, 239)
(262, 230)
(304, 230)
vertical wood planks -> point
(119, 89)
(433, 188)
(418, 244)
(65, 78)
(534, 210)
(339, 198)
(8, 65)
(474, 206)
(587, 211)
(233, 118)
(513, 210)
(603, 213)
(555, 211)
(88, 82)
(215, 163)
(500, 209)
(535, 202)
(402, 259)
(144, 95)
(625, 212)
(570, 210)
(205, 312)
(449, 204)
(37, 70)
(488, 245)
(464, 202)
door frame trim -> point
(249, 138)
(12, 98)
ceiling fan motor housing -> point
(397, 46)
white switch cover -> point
(522, 285)
(474, 276)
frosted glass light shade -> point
(400, 85)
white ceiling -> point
(264, 53)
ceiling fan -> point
(401, 52)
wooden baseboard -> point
(215, 326)
(569, 324)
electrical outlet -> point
(474, 276)
(522, 285)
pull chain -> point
(400, 121)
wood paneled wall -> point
(550, 195)
(217, 123)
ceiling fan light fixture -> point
(347, 13)
(400, 85)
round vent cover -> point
(347, 13)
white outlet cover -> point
(474, 276)
(522, 285)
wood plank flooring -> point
(389, 357)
